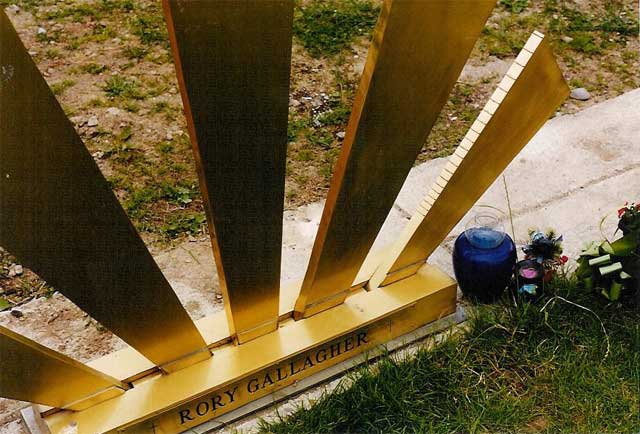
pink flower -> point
(564, 259)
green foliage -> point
(52, 53)
(610, 268)
(4, 304)
(179, 194)
(134, 205)
(59, 87)
(112, 5)
(131, 107)
(99, 33)
(513, 369)
(605, 267)
(295, 127)
(503, 41)
(585, 43)
(125, 134)
(320, 138)
(615, 23)
(76, 12)
(91, 11)
(592, 31)
(27, 5)
(160, 106)
(155, 87)
(94, 68)
(304, 155)
(515, 6)
(50, 36)
(133, 52)
(180, 223)
(612, 22)
(166, 147)
(150, 28)
(337, 116)
(576, 21)
(118, 86)
(327, 27)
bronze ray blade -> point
(528, 94)
(417, 53)
(59, 216)
(33, 373)
(233, 60)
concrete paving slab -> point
(577, 216)
(300, 227)
(571, 154)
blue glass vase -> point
(483, 260)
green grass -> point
(91, 11)
(591, 33)
(513, 369)
(118, 86)
(150, 28)
(27, 5)
(337, 116)
(327, 27)
(320, 138)
(295, 127)
(133, 52)
(586, 43)
(94, 68)
(515, 6)
(181, 223)
(59, 87)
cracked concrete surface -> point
(576, 170)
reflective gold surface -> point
(34, 373)
(129, 366)
(155, 405)
(417, 52)
(233, 63)
(59, 216)
(525, 98)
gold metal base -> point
(238, 374)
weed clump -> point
(325, 28)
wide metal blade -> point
(525, 98)
(59, 216)
(233, 60)
(417, 53)
(31, 372)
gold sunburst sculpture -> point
(59, 216)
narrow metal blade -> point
(31, 372)
(417, 53)
(233, 60)
(59, 216)
(525, 98)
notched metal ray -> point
(31, 372)
(59, 216)
(529, 93)
(233, 60)
(417, 53)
